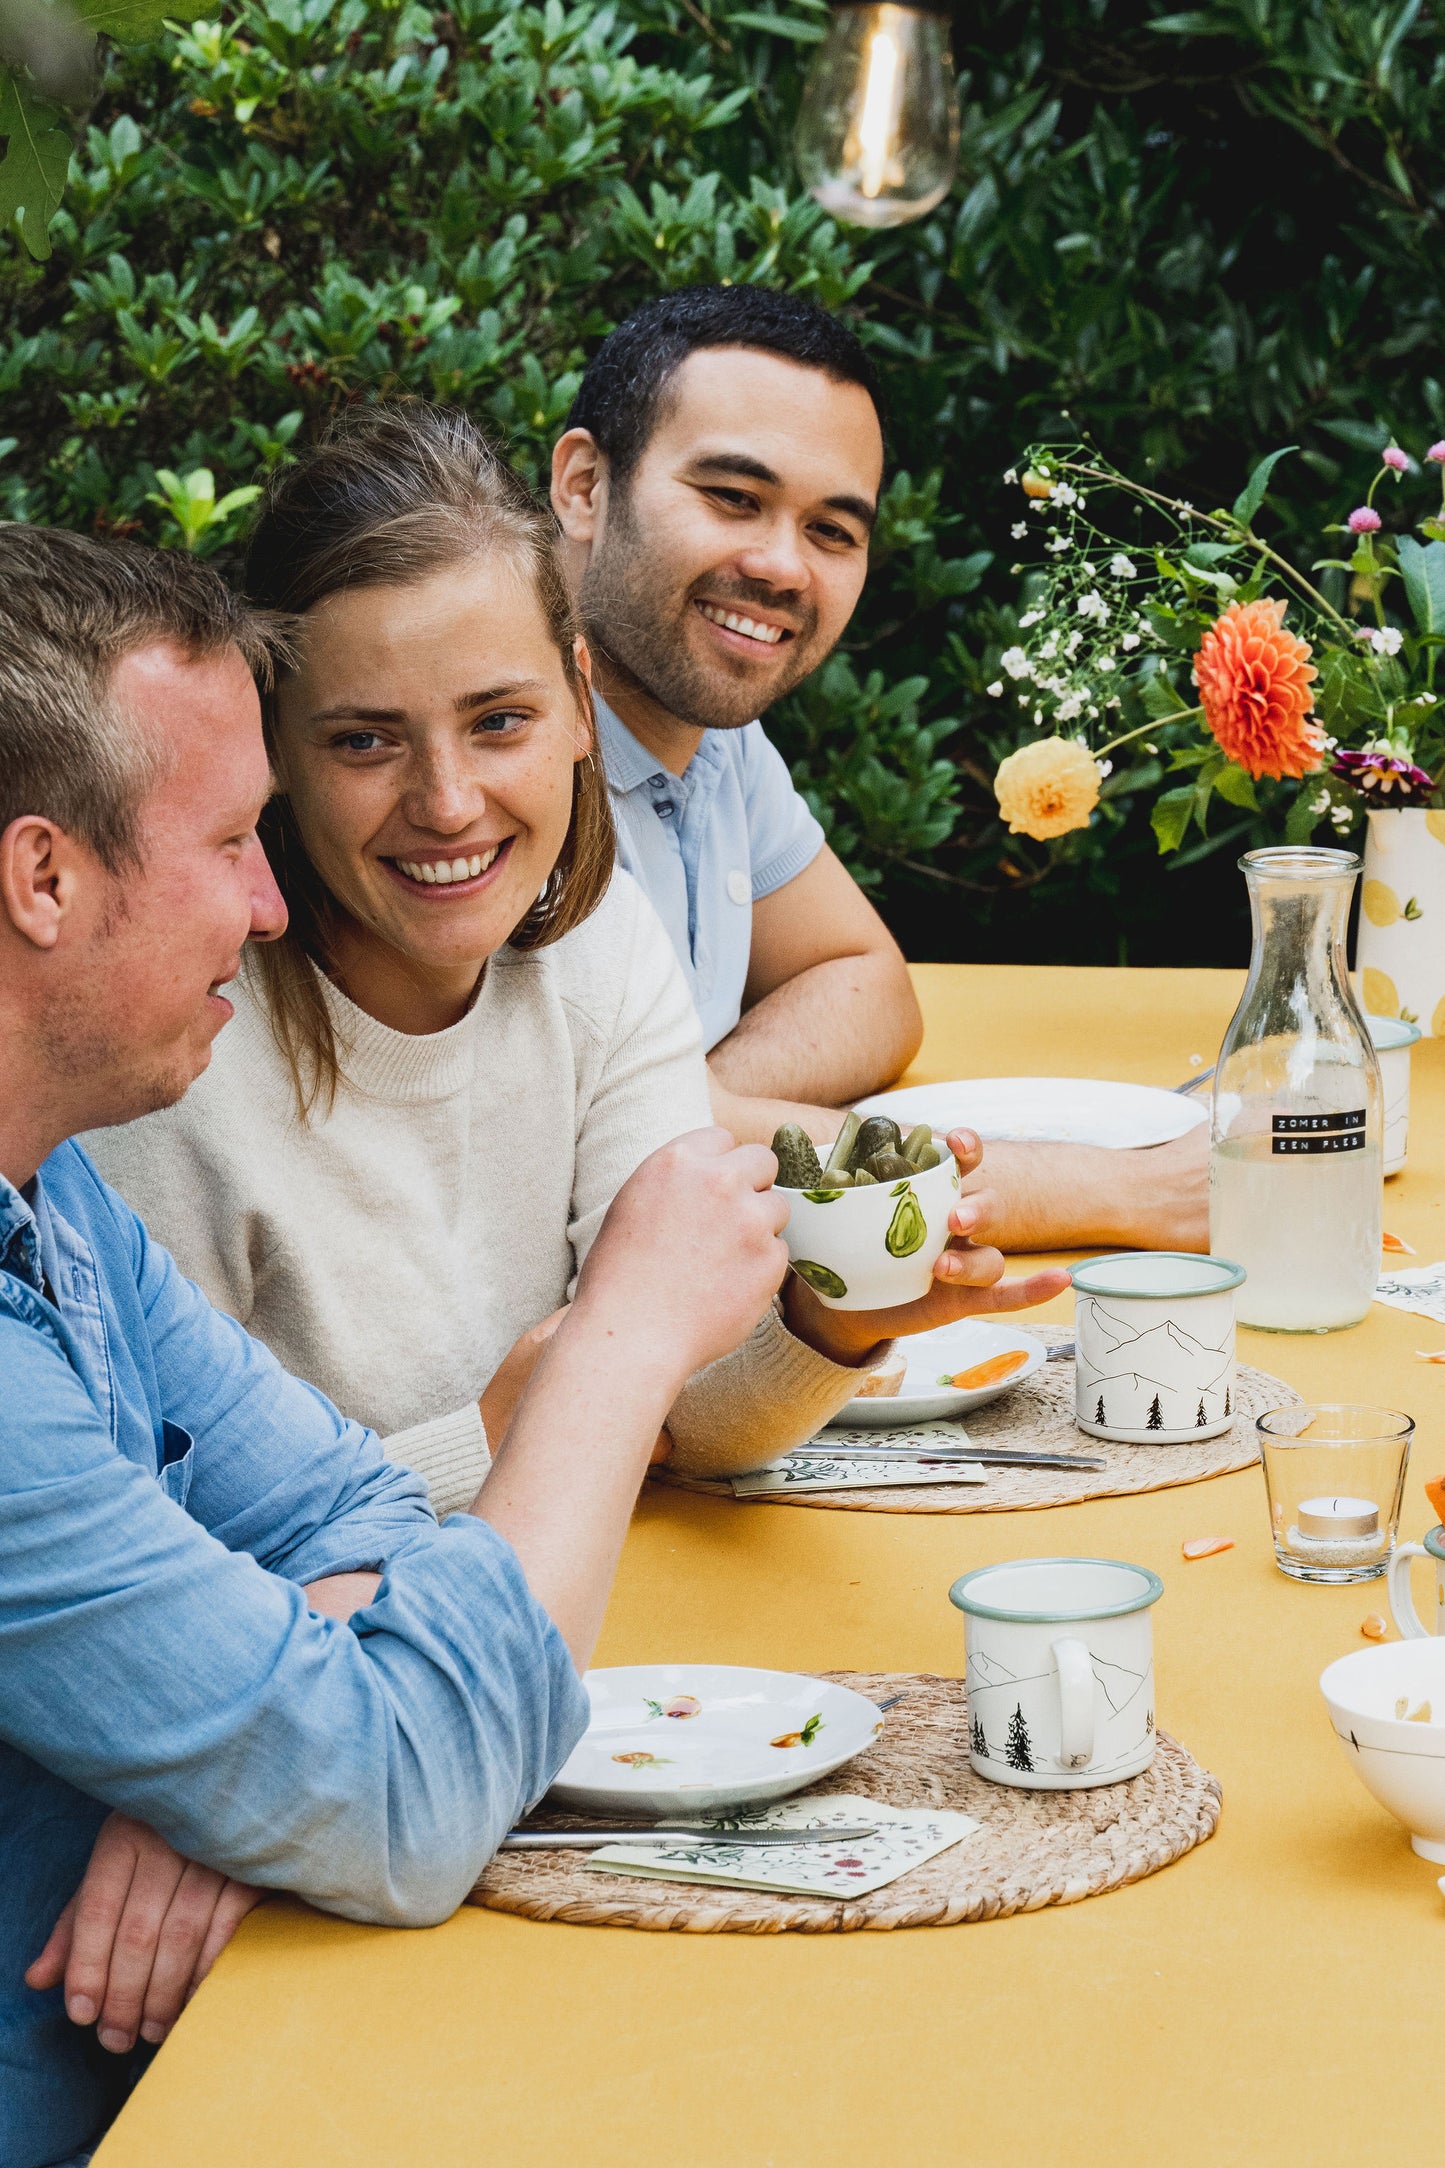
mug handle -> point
(1402, 1603)
(1075, 1668)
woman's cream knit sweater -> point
(391, 1251)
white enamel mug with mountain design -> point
(1060, 1671)
(1154, 1346)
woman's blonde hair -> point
(393, 494)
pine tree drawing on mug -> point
(977, 1739)
(1201, 1418)
(1020, 1749)
(1099, 1415)
(1156, 1415)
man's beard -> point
(632, 615)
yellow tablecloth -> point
(1273, 1996)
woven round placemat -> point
(1033, 1848)
(1038, 1416)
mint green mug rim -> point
(1435, 1542)
(1152, 1591)
(1231, 1276)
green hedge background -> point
(1195, 235)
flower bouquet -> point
(1188, 637)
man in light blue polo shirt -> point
(717, 486)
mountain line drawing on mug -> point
(988, 1678)
(1155, 1356)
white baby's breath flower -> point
(1038, 504)
(1038, 715)
(1010, 474)
(1064, 495)
(1130, 640)
(1030, 617)
(995, 690)
(1341, 816)
(1050, 648)
(1320, 804)
(1428, 699)
(1105, 662)
(1387, 639)
(1105, 768)
(1184, 509)
(1058, 543)
(1093, 605)
(1073, 643)
(1122, 567)
(1069, 707)
(1016, 662)
(1019, 529)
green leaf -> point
(1160, 699)
(1170, 817)
(781, 26)
(35, 165)
(122, 19)
(1422, 566)
(1236, 787)
(1253, 494)
(1300, 822)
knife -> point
(587, 1839)
(945, 1454)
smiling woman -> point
(473, 1030)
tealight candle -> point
(1336, 1531)
(1332, 1518)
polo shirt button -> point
(739, 886)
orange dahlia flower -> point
(1255, 683)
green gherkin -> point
(878, 1134)
(908, 1229)
(798, 1163)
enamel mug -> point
(1154, 1346)
(1060, 1671)
(1402, 1603)
(1393, 1041)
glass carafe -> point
(1296, 1168)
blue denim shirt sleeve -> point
(149, 1658)
(783, 835)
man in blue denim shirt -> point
(236, 1650)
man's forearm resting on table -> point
(1069, 1196)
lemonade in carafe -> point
(1296, 1166)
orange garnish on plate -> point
(1397, 1246)
(1374, 1628)
(1435, 1492)
(991, 1372)
(1206, 1546)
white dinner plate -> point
(703, 1738)
(931, 1356)
(1045, 1109)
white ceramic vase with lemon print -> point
(1400, 949)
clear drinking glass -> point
(1297, 1166)
(1334, 1477)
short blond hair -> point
(70, 609)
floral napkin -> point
(905, 1837)
(1420, 1288)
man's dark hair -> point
(623, 393)
(70, 609)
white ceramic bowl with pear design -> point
(1387, 1705)
(870, 1249)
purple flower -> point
(1437, 453)
(1364, 520)
(1392, 456)
(1383, 774)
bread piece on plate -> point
(884, 1381)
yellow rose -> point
(1047, 788)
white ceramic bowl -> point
(1401, 1763)
(871, 1249)
(693, 1739)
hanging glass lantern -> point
(877, 133)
